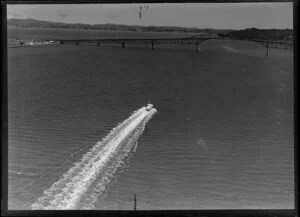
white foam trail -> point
(90, 200)
(80, 187)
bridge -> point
(186, 40)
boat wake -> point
(82, 185)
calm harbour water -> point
(222, 137)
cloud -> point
(18, 15)
(111, 15)
(61, 14)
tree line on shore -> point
(264, 34)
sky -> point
(200, 15)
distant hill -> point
(265, 34)
(31, 23)
(251, 33)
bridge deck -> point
(185, 40)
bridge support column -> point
(267, 51)
(152, 45)
(197, 46)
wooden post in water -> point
(61, 42)
(267, 51)
(77, 43)
(152, 45)
(197, 46)
(134, 206)
(123, 44)
(98, 43)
